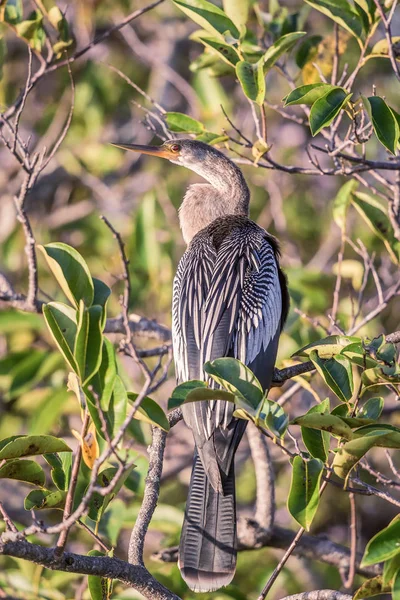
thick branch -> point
(319, 595)
(152, 490)
(251, 536)
(113, 568)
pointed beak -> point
(152, 150)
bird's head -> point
(191, 154)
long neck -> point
(225, 194)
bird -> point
(230, 298)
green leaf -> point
(60, 23)
(32, 30)
(181, 391)
(212, 138)
(88, 342)
(150, 412)
(227, 53)
(317, 441)
(116, 413)
(327, 347)
(342, 12)
(342, 201)
(101, 295)
(372, 409)
(104, 379)
(209, 16)
(71, 272)
(251, 78)
(383, 121)
(371, 587)
(3, 52)
(99, 587)
(23, 470)
(384, 545)
(348, 455)
(391, 434)
(98, 503)
(376, 216)
(380, 49)
(396, 586)
(57, 473)
(40, 499)
(237, 10)
(61, 321)
(304, 490)
(337, 374)
(203, 394)
(182, 123)
(326, 108)
(308, 94)
(13, 11)
(282, 45)
(390, 569)
(358, 355)
(30, 445)
(325, 422)
(235, 377)
(307, 50)
(275, 418)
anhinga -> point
(229, 299)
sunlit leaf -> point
(337, 374)
(88, 341)
(235, 377)
(61, 321)
(209, 16)
(30, 445)
(282, 45)
(325, 422)
(384, 545)
(150, 412)
(342, 12)
(23, 470)
(237, 10)
(348, 455)
(71, 272)
(181, 391)
(226, 52)
(328, 347)
(252, 79)
(276, 420)
(372, 408)
(308, 94)
(326, 108)
(41, 499)
(383, 121)
(182, 123)
(315, 440)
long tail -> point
(207, 551)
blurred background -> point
(140, 196)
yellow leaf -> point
(90, 447)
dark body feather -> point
(230, 299)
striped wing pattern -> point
(227, 301)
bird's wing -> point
(227, 302)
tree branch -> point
(135, 576)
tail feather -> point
(207, 551)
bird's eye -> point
(175, 148)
